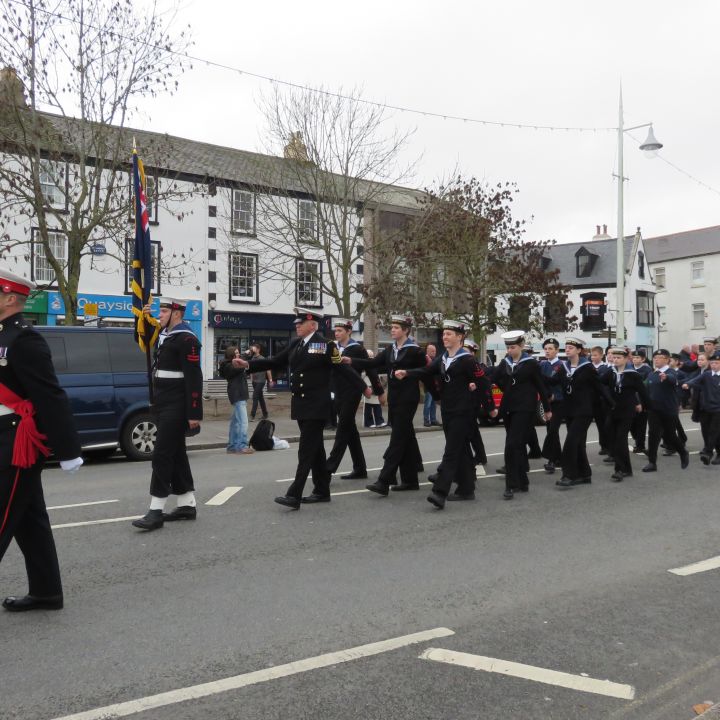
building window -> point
(52, 184)
(519, 311)
(698, 315)
(243, 277)
(130, 254)
(584, 263)
(307, 220)
(42, 270)
(645, 308)
(555, 313)
(641, 265)
(660, 278)
(307, 282)
(592, 311)
(243, 212)
(662, 323)
(697, 272)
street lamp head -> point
(651, 145)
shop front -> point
(36, 308)
(274, 332)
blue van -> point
(104, 374)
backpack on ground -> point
(262, 437)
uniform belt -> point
(169, 374)
(5, 410)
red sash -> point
(28, 439)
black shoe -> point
(292, 502)
(704, 458)
(609, 460)
(437, 500)
(402, 487)
(639, 450)
(315, 498)
(617, 476)
(564, 483)
(379, 487)
(501, 470)
(508, 495)
(524, 488)
(436, 424)
(716, 461)
(534, 454)
(549, 468)
(602, 451)
(433, 478)
(583, 480)
(668, 453)
(184, 512)
(427, 424)
(684, 459)
(650, 467)
(152, 520)
(471, 496)
(33, 602)
(355, 475)
(251, 419)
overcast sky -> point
(529, 61)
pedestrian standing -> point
(627, 397)
(582, 390)
(402, 452)
(518, 376)
(347, 400)
(708, 385)
(312, 360)
(34, 410)
(372, 411)
(431, 390)
(663, 411)
(554, 374)
(258, 382)
(178, 409)
(237, 390)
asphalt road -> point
(574, 582)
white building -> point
(683, 266)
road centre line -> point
(236, 682)
(224, 495)
(83, 504)
(530, 672)
(712, 563)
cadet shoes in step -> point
(152, 520)
(184, 512)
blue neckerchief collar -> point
(181, 327)
(410, 342)
(522, 358)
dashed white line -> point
(224, 495)
(342, 472)
(712, 563)
(83, 504)
(530, 672)
(96, 522)
(239, 681)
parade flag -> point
(147, 327)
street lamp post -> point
(650, 148)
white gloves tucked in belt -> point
(71, 466)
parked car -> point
(104, 374)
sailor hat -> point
(514, 337)
(343, 323)
(471, 345)
(303, 314)
(551, 341)
(577, 342)
(12, 283)
(456, 325)
(404, 320)
(172, 303)
(712, 340)
(661, 351)
(617, 350)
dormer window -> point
(584, 263)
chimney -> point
(12, 90)
(605, 230)
(601, 235)
(296, 148)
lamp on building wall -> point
(650, 148)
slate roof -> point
(604, 273)
(691, 243)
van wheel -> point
(138, 437)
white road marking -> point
(239, 681)
(224, 495)
(712, 563)
(96, 522)
(343, 472)
(529, 672)
(85, 504)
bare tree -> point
(75, 73)
(339, 157)
(465, 256)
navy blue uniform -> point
(663, 413)
(554, 374)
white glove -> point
(71, 466)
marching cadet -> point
(485, 405)
(554, 374)
(708, 385)
(518, 376)
(600, 413)
(402, 452)
(347, 400)
(312, 360)
(582, 389)
(457, 370)
(628, 397)
(663, 411)
(34, 409)
(640, 421)
(178, 410)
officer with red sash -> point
(35, 419)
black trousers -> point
(171, 473)
(258, 398)
(710, 427)
(619, 444)
(517, 431)
(403, 452)
(477, 444)
(680, 430)
(638, 429)
(311, 456)
(552, 449)
(601, 416)
(662, 426)
(28, 523)
(575, 463)
(457, 463)
(347, 435)
(532, 439)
